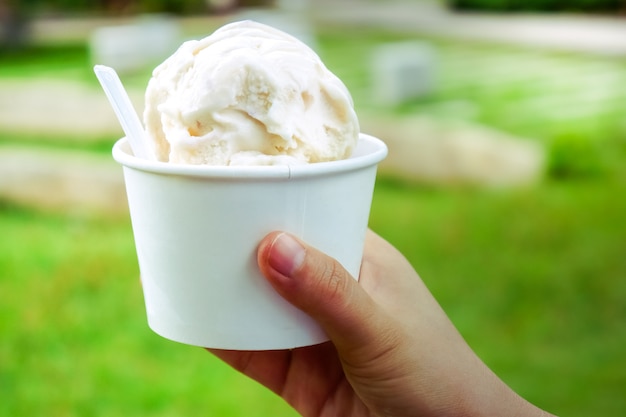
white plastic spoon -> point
(123, 108)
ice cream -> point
(248, 94)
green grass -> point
(74, 335)
(67, 61)
(533, 278)
(97, 143)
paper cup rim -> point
(369, 151)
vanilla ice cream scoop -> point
(248, 94)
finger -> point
(304, 377)
(266, 367)
(322, 288)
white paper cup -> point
(197, 229)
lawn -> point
(533, 278)
(75, 339)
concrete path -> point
(62, 181)
(53, 108)
(567, 32)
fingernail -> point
(286, 254)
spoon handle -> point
(123, 108)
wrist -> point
(488, 395)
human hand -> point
(394, 352)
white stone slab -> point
(136, 46)
(402, 71)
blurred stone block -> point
(402, 71)
(433, 152)
(136, 46)
(64, 181)
(56, 109)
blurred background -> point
(504, 186)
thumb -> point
(320, 286)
